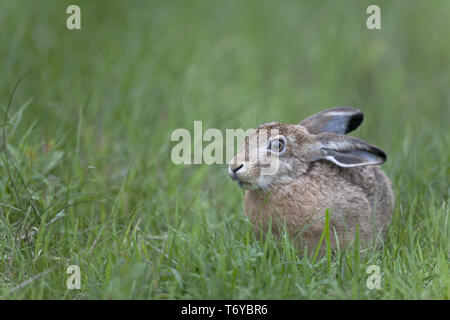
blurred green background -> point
(89, 141)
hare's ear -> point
(345, 151)
(337, 120)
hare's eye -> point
(277, 145)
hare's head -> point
(276, 153)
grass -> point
(86, 177)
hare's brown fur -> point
(319, 169)
(354, 196)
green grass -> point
(86, 177)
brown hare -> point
(318, 168)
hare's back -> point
(378, 189)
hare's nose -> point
(235, 167)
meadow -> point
(86, 176)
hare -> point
(318, 169)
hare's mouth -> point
(243, 175)
(242, 183)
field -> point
(86, 176)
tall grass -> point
(86, 176)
